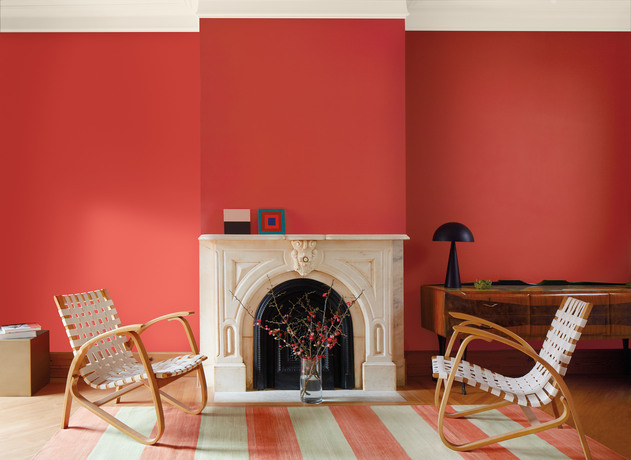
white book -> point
(17, 335)
(20, 327)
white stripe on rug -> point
(530, 447)
(417, 438)
(116, 445)
(317, 432)
(223, 433)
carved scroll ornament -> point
(303, 256)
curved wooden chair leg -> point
(477, 410)
(437, 398)
(67, 402)
(201, 381)
(116, 423)
(443, 407)
(501, 437)
(555, 409)
(194, 410)
(568, 409)
(117, 400)
(578, 426)
(442, 413)
(559, 419)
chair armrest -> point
(179, 316)
(131, 331)
(474, 320)
(475, 333)
(168, 317)
(125, 330)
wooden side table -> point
(25, 365)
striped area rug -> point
(309, 432)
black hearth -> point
(276, 367)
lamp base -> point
(452, 280)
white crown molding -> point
(98, 16)
(183, 15)
(381, 9)
(526, 15)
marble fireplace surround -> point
(370, 265)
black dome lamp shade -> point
(453, 231)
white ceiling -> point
(184, 15)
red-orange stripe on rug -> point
(565, 439)
(179, 440)
(367, 435)
(76, 443)
(460, 431)
(271, 434)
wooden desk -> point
(25, 365)
(528, 310)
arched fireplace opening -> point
(276, 367)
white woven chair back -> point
(565, 330)
(87, 315)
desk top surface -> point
(544, 286)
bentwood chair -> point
(543, 385)
(103, 358)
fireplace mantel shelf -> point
(212, 237)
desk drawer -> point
(620, 313)
(506, 309)
(544, 306)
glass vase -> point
(311, 380)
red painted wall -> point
(523, 137)
(100, 175)
(305, 115)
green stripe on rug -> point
(319, 436)
(223, 433)
(114, 444)
(530, 447)
(417, 438)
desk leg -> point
(464, 385)
(625, 355)
(442, 343)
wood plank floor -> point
(604, 405)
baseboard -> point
(418, 363)
(514, 363)
(60, 362)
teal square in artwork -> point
(272, 221)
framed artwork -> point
(272, 221)
(236, 221)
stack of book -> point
(19, 331)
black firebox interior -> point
(276, 366)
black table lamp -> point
(453, 231)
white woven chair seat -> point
(533, 389)
(133, 371)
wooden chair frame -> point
(151, 379)
(473, 328)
